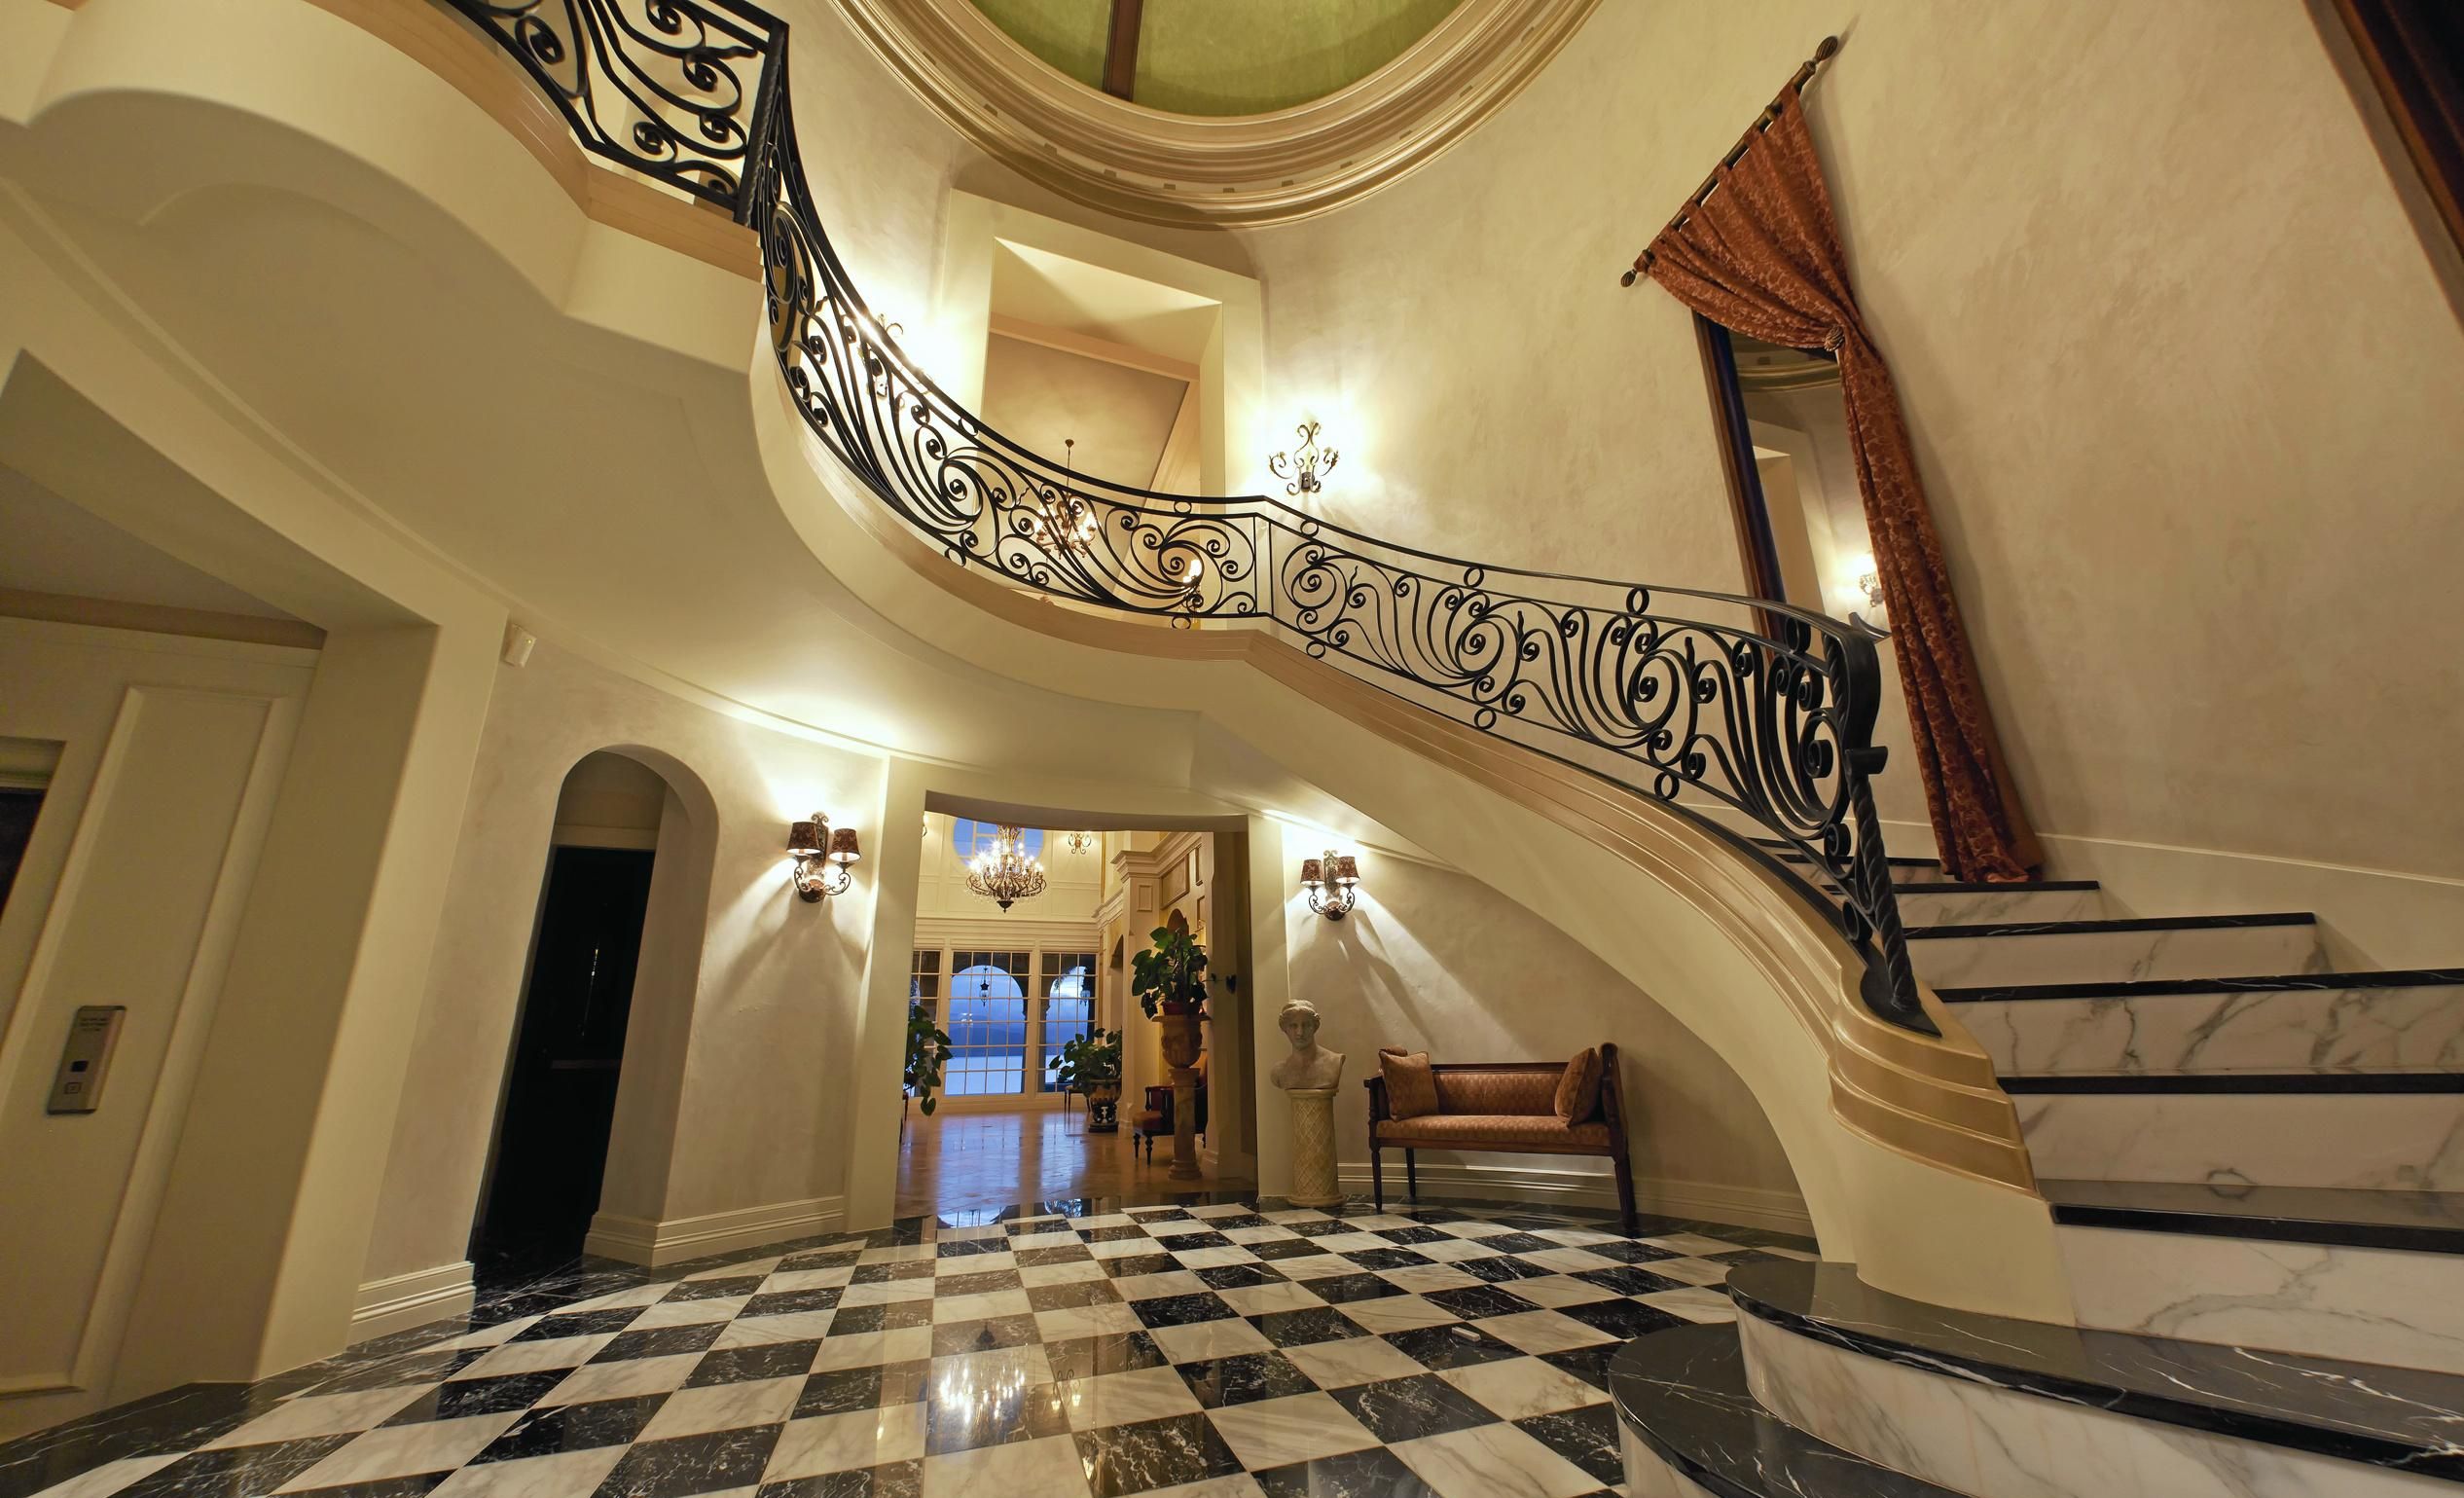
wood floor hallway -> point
(978, 1158)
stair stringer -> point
(1906, 1152)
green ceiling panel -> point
(1225, 56)
(1068, 34)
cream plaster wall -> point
(748, 1038)
(1433, 960)
(171, 750)
(2148, 294)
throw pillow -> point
(1411, 1089)
(1579, 1090)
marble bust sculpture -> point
(1310, 1065)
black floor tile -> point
(991, 1280)
(1244, 1379)
(1586, 1437)
(1139, 1263)
(784, 1303)
(1374, 1473)
(1342, 1289)
(1451, 1346)
(1404, 1408)
(1181, 1310)
(661, 1342)
(845, 1389)
(1628, 1281)
(573, 1428)
(1087, 1356)
(1138, 1459)
(480, 1395)
(893, 1479)
(986, 1335)
(965, 1425)
(237, 1471)
(741, 1365)
(1478, 1300)
(1310, 1324)
(578, 1324)
(1627, 1319)
(692, 1464)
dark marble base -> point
(2402, 1418)
(2147, 988)
(1682, 1394)
(2414, 1221)
(2120, 923)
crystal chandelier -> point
(1003, 873)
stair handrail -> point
(1773, 715)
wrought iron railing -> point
(1700, 700)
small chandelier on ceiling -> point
(1003, 873)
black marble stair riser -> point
(2384, 1416)
(2117, 924)
(2210, 1084)
(2411, 1222)
(1683, 1392)
(2148, 988)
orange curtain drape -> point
(1761, 255)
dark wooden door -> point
(560, 1096)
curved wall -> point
(2181, 380)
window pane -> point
(988, 1023)
(968, 838)
(924, 975)
(1068, 993)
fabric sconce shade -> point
(1332, 881)
(822, 855)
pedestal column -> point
(1184, 1123)
(1313, 1146)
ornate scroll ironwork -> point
(1700, 700)
(670, 89)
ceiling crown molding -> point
(1144, 164)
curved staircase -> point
(2257, 1173)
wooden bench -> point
(1503, 1108)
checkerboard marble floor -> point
(1204, 1350)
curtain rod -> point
(1736, 153)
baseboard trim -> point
(1740, 1205)
(656, 1244)
(402, 1301)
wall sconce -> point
(1333, 883)
(1082, 842)
(1302, 466)
(822, 855)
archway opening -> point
(550, 1154)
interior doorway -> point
(559, 1094)
(1051, 1085)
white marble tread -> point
(2091, 955)
(2330, 1300)
(2278, 1030)
(2376, 1141)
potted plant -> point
(1090, 1065)
(927, 1045)
(1170, 980)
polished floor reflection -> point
(970, 1158)
(1199, 1347)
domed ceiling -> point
(1218, 56)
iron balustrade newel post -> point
(1716, 704)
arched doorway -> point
(550, 1154)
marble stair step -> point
(1991, 1405)
(2001, 954)
(1985, 904)
(2409, 1020)
(2354, 1130)
(1904, 871)
(1688, 1426)
(2377, 1276)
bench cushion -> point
(1538, 1132)
(1410, 1089)
(1475, 1089)
(1578, 1093)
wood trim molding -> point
(445, 45)
(1088, 345)
(159, 619)
(657, 1244)
(1143, 164)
